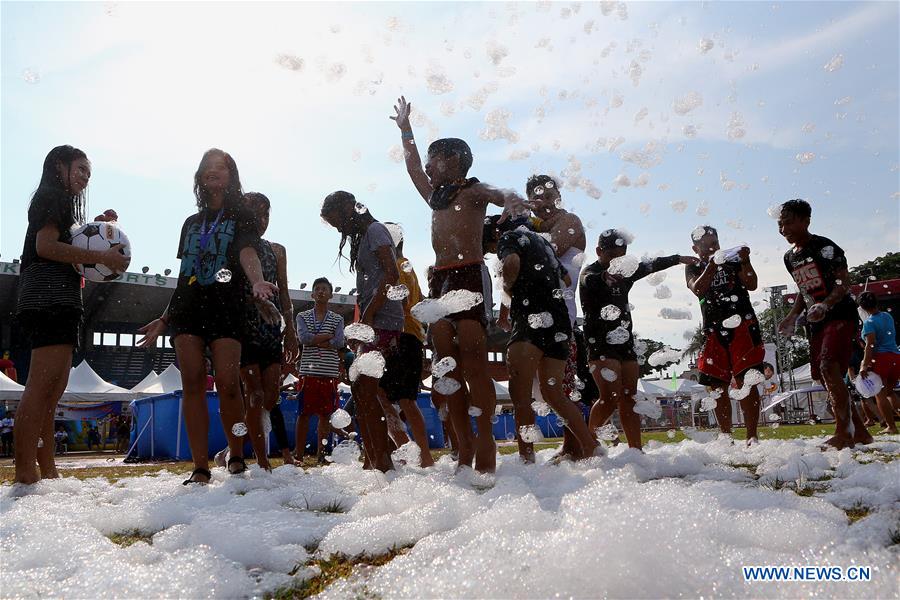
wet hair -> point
(867, 301)
(536, 180)
(701, 231)
(233, 193)
(342, 200)
(448, 147)
(609, 239)
(257, 199)
(798, 208)
(766, 365)
(325, 281)
(52, 194)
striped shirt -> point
(315, 361)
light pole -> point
(782, 353)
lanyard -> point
(205, 236)
(319, 324)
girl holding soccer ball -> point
(218, 255)
(49, 307)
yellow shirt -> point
(411, 325)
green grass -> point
(330, 570)
(127, 538)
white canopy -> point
(9, 389)
(170, 380)
(84, 380)
(664, 388)
(803, 376)
(289, 379)
(149, 384)
(501, 389)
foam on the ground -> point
(678, 520)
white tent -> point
(500, 389)
(86, 386)
(9, 389)
(664, 388)
(289, 379)
(149, 384)
(803, 376)
(170, 379)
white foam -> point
(369, 363)
(624, 265)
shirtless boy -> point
(458, 206)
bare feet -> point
(862, 436)
(287, 457)
(837, 442)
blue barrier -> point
(158, 428)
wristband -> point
(406, 135)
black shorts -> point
(460, 277)
(251, 354)
(208, 326)
(403, 370)
(600, 350)
(51, 327)
(545, 338)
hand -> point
(269, 312)
(611, 279)
(787, 325)
(263, 290)
(744, 254)
(291, 347)
(151, 331)
(514, 206)
(689, 260)
(115, 259)
(503, 323)
(402, 108)
(816, 312)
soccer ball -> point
(99, 236)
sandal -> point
(194, 473)
(236, 460)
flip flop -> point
(204, 472)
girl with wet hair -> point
(218, 254)
(374, 260)
(49, 307)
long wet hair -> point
(341, 201)
(233, 193)
(64, 207)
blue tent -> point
(159, 431)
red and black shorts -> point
(832, 342)
(725, 356)
(318, 394)
(459, 277)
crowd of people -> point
(231, 303)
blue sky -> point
(300, 95)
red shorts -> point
(832, 343)
(887, 365)
(319, 395)
(719, 360)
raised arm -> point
(699, 281)
(567, 233)
(410, 151)
(660, 264)
(747, 274)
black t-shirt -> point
(725, 297)
(199, 290)
(46, 284)
(814, 268)
(538, 288)
(596, 293)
